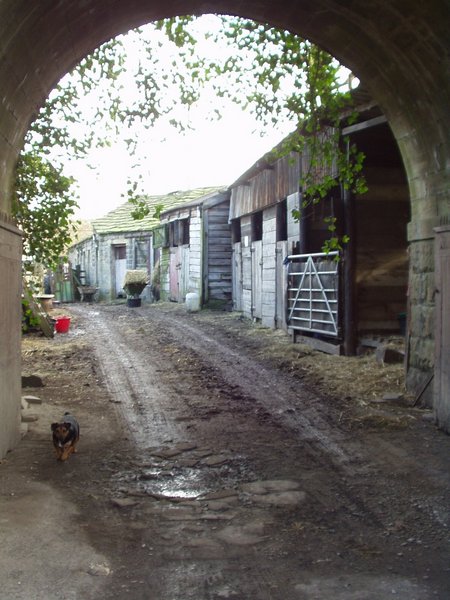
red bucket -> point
(62, 324)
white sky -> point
(214, 153)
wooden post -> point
(349, 267)
(304, 226)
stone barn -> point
(118, 243)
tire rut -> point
(130, 378)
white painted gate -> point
(313, 293)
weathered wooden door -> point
(246, 257)
(442, 333)
(120, 267)
(257, 280)
(183, 277)
(237, 277)
(174, 274)
(280, 285)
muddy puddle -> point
(185, 474)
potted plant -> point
(134, 284)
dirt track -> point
(205, 471)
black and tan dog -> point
(65, 436)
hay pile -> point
(135, 282)
(137, 276)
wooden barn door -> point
(183, 277)
(237, 277)
(257, 280)
(280, 285)
(174, 274)
(246, 281)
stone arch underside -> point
(399, 50)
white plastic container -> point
(192, 302)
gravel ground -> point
(217, 460)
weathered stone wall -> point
(421, 316)
(442, 342)
(96, 258)
(10, 335)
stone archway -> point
(399, 50)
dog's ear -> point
(54, 426)
(67, 425)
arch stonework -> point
(399, 49)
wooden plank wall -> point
(219, 253)
(259, 276)
(257, 279)
(269, 267)
(237, 277)
(246, 302)
(192, 260)
(281, 285)
(270, 185)
(382, 215)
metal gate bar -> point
(313, 292)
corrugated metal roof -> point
(121, 221)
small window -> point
(179, 232)
(120, 252)
(184, 232)
(257, 221)
(235, 231)
(282, 221)
(173, 234)
(161, 236)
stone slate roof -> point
(121, 221)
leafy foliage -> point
(279, 75)
(270, 71)
(43, 207)
(29, 320)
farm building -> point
(193, 249)
(282, 278)
(119, 243)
